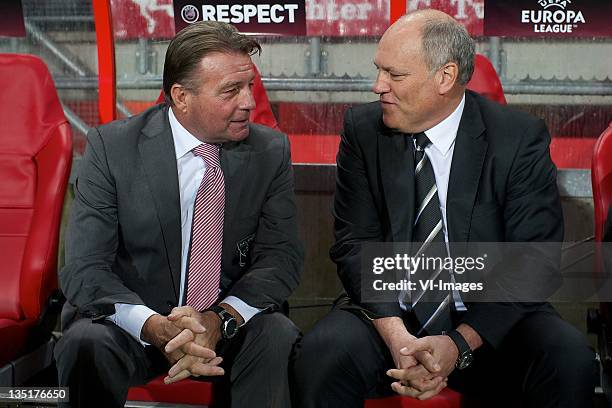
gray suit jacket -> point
(124, 237)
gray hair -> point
(445, 40)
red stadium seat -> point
(601, 178)
(35, 160)
(485, 80)
(188, 392)
(599, 321)
(446, 399)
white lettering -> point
(549, 17)
(377, 266)
(314, 11)
(334, 12)
(236, 12)
(263, 11)
(553, 28)
(348, 12)
(273, 13)
(223, 13)
(525, 16)
(291, 10)
(249, 11)
(208, 12)
(363, 11)
(414, 4)
(428, 284)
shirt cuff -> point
(131, 318)
(246, 311)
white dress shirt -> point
(440, 155)
(191, 170)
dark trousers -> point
(543, 362)
(98, 361)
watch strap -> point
(217, 309)
(459, 341)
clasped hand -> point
(423, 366)
(188, 340)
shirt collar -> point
(444, 133)
(184, 142)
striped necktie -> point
(432, 306)
(204, 270)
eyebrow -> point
(395, 71)
(231, 84)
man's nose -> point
(380, 84)
(247, 101)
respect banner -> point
(271, 17)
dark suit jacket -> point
(124, 237)
(502, 187)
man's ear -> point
(447, 77)
(179, 97)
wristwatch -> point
(465, 357)
(229, 324)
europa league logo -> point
(190, 14)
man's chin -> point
(389, 122)
(239, 135)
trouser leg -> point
(544, 362)
(99, 362)
(257, 364)
(339, 362)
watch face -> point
(230, 328)
(465, 360)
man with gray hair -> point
(182, 244)
(431, 162)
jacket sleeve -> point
(277, 256)
(88, 280)
(532, 214)
(356, 220)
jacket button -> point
(170, 303)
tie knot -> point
(422, 141)
(209, 153)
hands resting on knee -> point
(423, 366)
(188, 339)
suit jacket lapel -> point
(466, 168)
(159, 163)
(234, 163)
(395, 155)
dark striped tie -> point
(431, 307)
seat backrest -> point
(601, 179)
(35, 159)
(485, 80)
